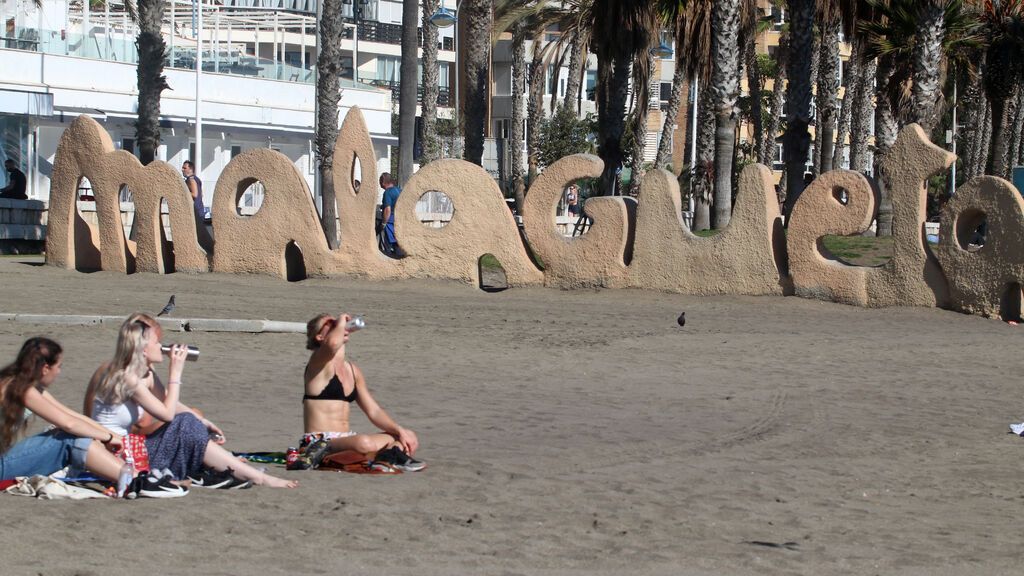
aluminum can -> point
(192, 355)
(356, 323)
(291, 456)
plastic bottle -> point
(124, 479)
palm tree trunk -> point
(986, 135)
(408, 93)
(702, 184)
(431, 87)
(680, 86)
(854, 69)
(815, 150)
(927, 56)
(151, 79)
(328, 93)
(725, 88)
(1017, 151)
(516, 130)
(862, 101)
(641, 77)
(755, 86)
(577, 58)
(886, 131)
(828, 90)
(798, 97)
(1002, 113)
(535, 107)
(478, 42)
(771, 132)
(612, 95)
(972, 143)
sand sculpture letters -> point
(634, 244)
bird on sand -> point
(682, 319)
(169, 308)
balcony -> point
(372, 31)
(443, 94)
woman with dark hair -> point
(332, 384)
(77, 440)
(125, 390)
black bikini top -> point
(335, 391)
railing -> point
(119, 47)
(443, 94)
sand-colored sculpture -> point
(481, 224)
(594, 259)
(357, 211)
(912, 277)
(745, 258)
(818, 212)
(981, 278)
(738, 260)
(85, 149)
(256, 244)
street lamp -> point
(445, 18)
(663, 50)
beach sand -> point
(565, 432)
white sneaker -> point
(1017, 429)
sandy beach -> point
(565, 432)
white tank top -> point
(118, 418)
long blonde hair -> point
(129, 359)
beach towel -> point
(46, 488)
(356, 463)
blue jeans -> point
(43, 454)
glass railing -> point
(117, 47)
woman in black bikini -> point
(332, 384)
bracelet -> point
(178, 382)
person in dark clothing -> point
(16, 183)
(195, 188)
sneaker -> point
(397, 459)
(216, 480)
(312, 456)
(156, 486)
(1017, 429)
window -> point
(389, 68)
(778, 17)
(128, 145)
(591, 85)
(191, 151)
(502, 128)
(666, 91)
(236, 150)
(502, 79)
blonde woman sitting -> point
(123, 391)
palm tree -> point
(1003, 27)
(431, 86)
(516, 130)
(797, 139)
(626, 29)
(408, 91)
(478, 21)
(725, 89)
(770, 132)
(829, 21)
(150, 73)
(328, 94)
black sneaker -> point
(216, 480)
(155, 486)
(397, 459)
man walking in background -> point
(16, 182)
(389, 243)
